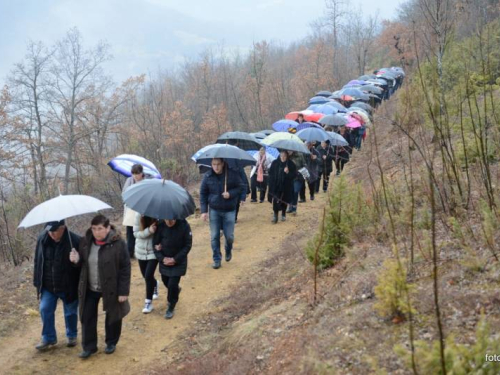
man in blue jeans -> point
(220, 191)
(56, 278)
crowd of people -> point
(83, 270)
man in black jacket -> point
(220, 189)
(326, 154)
(56, 278)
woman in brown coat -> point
(105, 273)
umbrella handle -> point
(225, 181)
(69, 236)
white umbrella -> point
(62, 207)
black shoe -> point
(110, 349)
(275, 219)
(71, 342)
(261, 201)
(312, 198)
(289, 210)
(216, 265)
(44, 345)
(283, 218)
(302, 201)
(170, 313)
(87, 353)
(229, 256)
(253, 201)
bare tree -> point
(334, 14)
(76, 77)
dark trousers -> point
(89, 323)
(260, 186)
(172, 285)
(148, 268)
(340, 163)
(130, 241)
(279, 206)
(237, 210)
(312, 189)
(326, 179)
(318, 181)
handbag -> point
(305, 173)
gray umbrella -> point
(364, 106)
(290, 145)
(267, 131)
(313, 134)
(160, 199)
(234, 156)
(337, 139)
(243, 140)
(333, 120)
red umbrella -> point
(295, 114)
(314, 117)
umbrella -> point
(314, 117)
(356, 82)
(333, 120)
(259, 136)
(306, 125)
(367, 77)
(281, 136)
(362, 114)
(271, 153)
(62, 207)
(326, 109)
(364, 106)
(372, 89)
(290, 145)
(313, 135)
(284, 125)
(337, 139)
(324, 93)
(353, 123)
(245, 141)
(160, 199)
(355, 93)
(236, 157)
(318, 100)
(377, 82)
(337, 105)
(313, 107)
(123, 164)
(267, 131)
(295, 114)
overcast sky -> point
(147, 34)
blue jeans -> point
(297, 186)
(225, 221)
(48, 304)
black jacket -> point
(176, 243)
(281, 183)
(66, 274)
(212, 187)
(329, 153)
(313, 165)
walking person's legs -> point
(253, 188)
(71, 320)
(228, 221)
(215, 228)
(130, 241)
(48, 305)
(89, 321)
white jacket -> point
(143, 241)
(267, 164)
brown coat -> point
(114, 274)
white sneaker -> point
(148, 307)
(155, 292)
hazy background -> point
(147, 34)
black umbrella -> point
(364, 106)
(333, 120)
(243, 140)
(267, 131)
(324, 93)
(372, 89)
(160, 199)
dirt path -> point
(144, 336)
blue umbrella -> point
(284, 125)
(327, 109)
(337, 140)
(313, 107)
(123, 165)
(313, 135)
(337, 105)
(307, 125)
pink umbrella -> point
(352, 123)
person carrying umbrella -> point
(105, 273)
(343, 153)
(259, 175)
(281, 176)
(326, 154)
(299, 180)
(56, 278)
(219, 192)
(144, 230)
(172, 242)
(128, 214)
(312, 165)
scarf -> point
(260, 168)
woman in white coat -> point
(259, 175)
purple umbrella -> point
(284, 125)
(123, 165)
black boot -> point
(275, 219)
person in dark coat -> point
(243, 196)
(326, 155)
(343, 153)
(105, 273)
(172, 243)
(312, 165)
(219, 192)
(55, 277)
(298, 182)
(281, 175)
